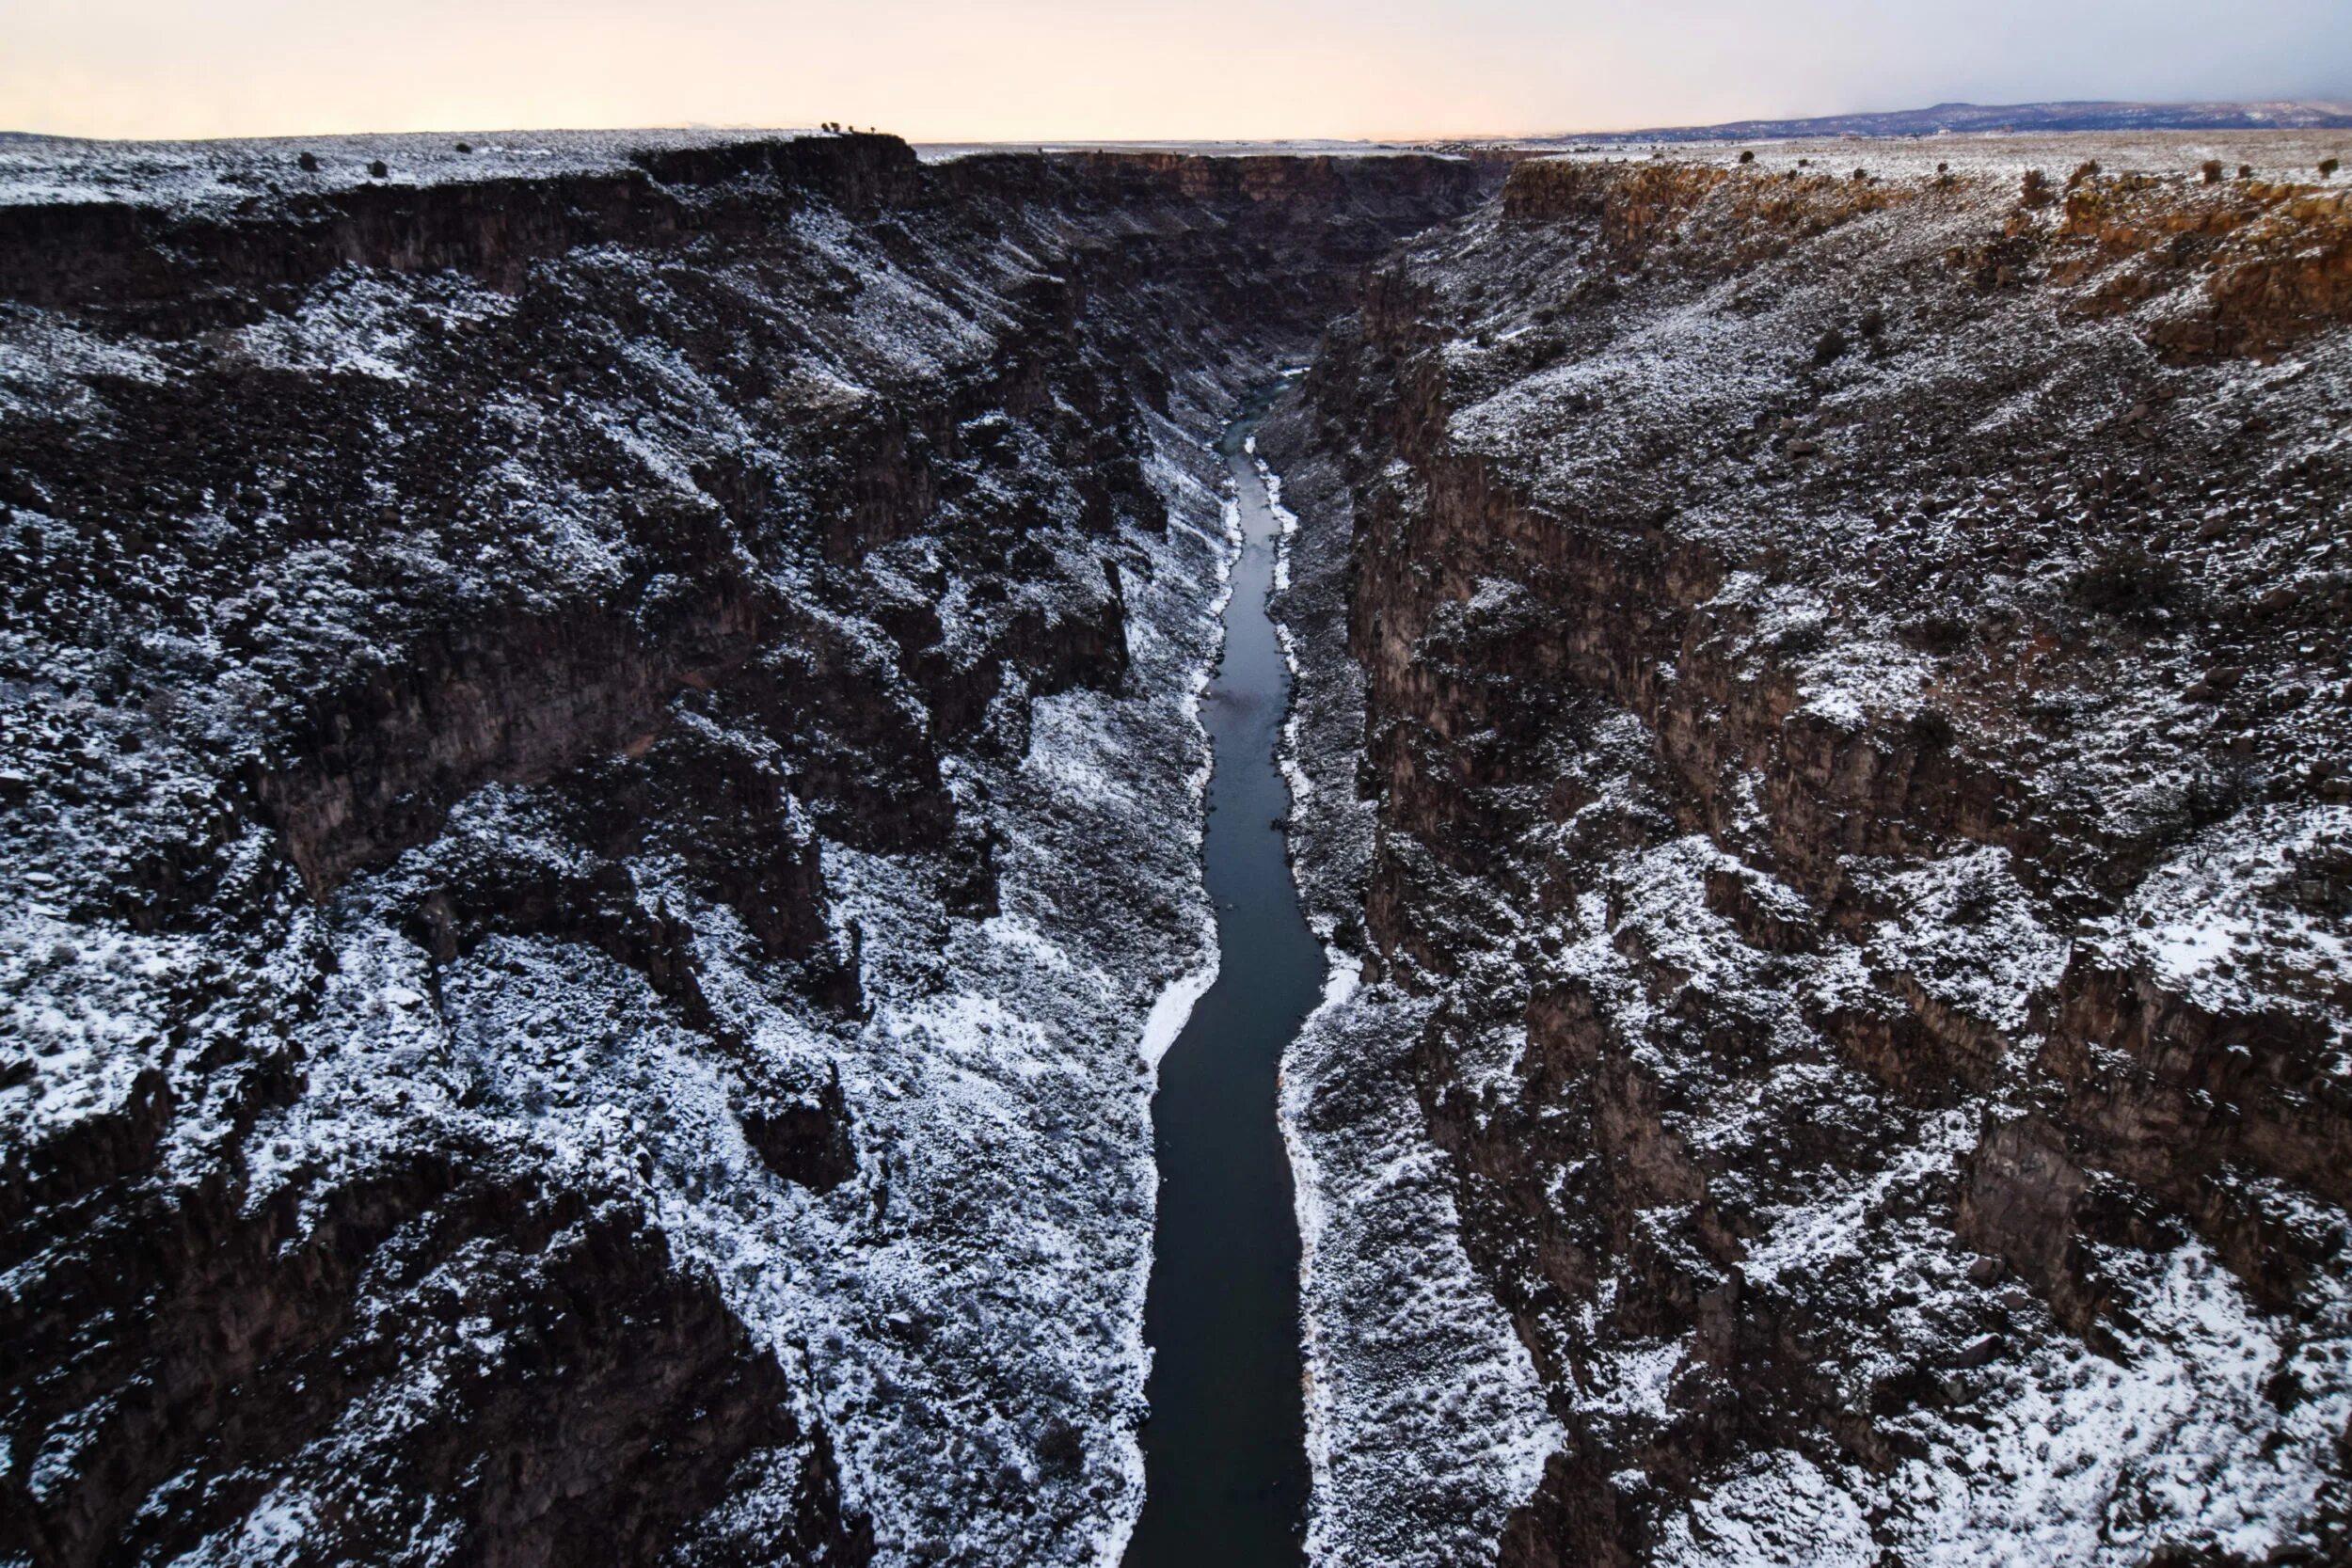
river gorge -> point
(724, 849)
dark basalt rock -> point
(807, 1143)
(224, 1347)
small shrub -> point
(1833, 343)
(2246, 171)
(2328, 167)
(2216, 790)
(2212, 167)
(2035, 192)
(308, 162)
(1747, 157)
(1801, 639)
(1060, 1452)
(465, 147)
(377, 171)
(2129, 584)
(2087, 169)
(1938, 634)
(1932, 730)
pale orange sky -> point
(1053, 69)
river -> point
(1225, 1465)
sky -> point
(1056, 69)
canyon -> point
(603, 820)
(600, 753)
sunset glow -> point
(1048, 69)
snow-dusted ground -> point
(218, 175)
(982, 1277)
(2273, 154)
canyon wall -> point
(1822, 738)
(602, 781)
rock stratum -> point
(601, 793)
(1823, 744)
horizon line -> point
(2330, 104)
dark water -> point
(1224, 1452)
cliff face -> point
(1824, 711)
(592, 733)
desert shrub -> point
(1938, 634)
(2130, 584)
(2219, 788)
(2212, 167)
(1932, 730)
(1801, 639)
(1060, 1452)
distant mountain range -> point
(1964, 119)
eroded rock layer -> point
(600, 755)
(1826, 711)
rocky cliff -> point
(1824, 709)
(592, 732)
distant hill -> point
(1962, 118)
